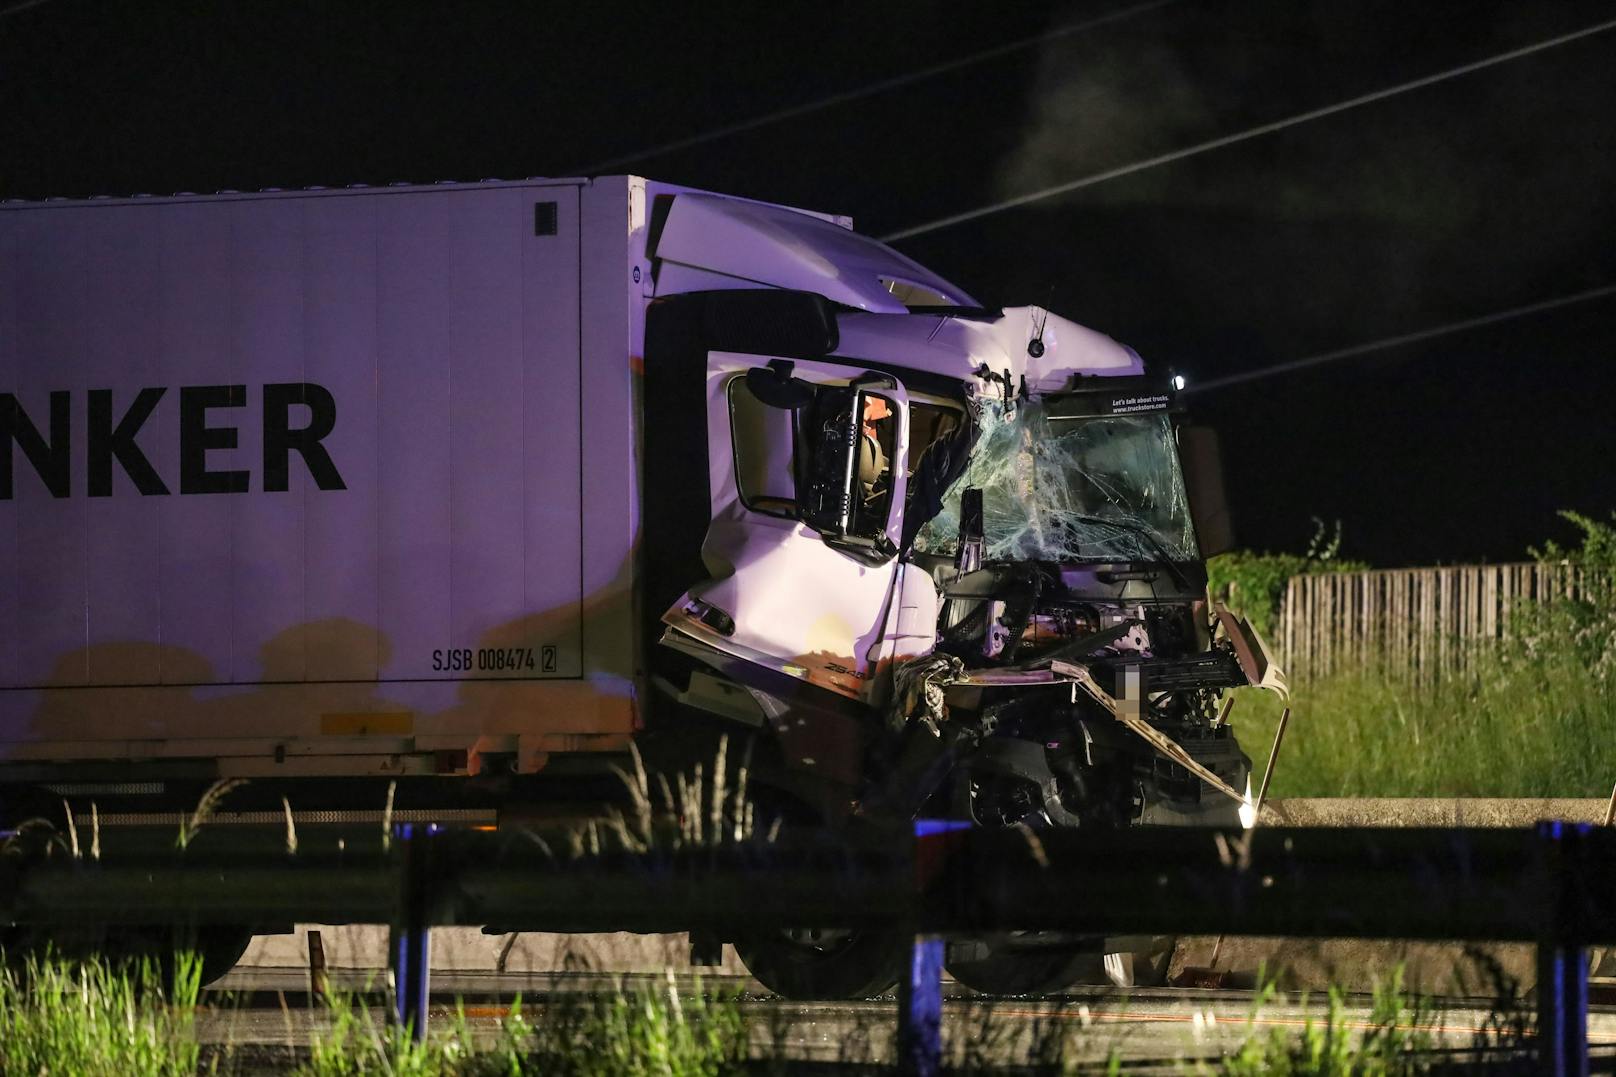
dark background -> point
(1490, 191)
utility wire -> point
(1402, 339)
(18, 9)
(1243, 136)
(869, 90)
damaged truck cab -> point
(951, 564)
(480, 486)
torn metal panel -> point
(1126, 711)
(1091, 488)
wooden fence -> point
(1425, 621)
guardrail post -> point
(920, 991)
(920, 1010)
(319, 983)
(410, 941)
(1562, 961)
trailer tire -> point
(1140, 968)
(220, 948)
(217, 946)
(1008, 969)
(827, 967)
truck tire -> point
(825, 965)
(217, 946)
(1140, 968)
(220, 947)
(1001, 966)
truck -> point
(466, 491)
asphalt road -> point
(1142, 1025)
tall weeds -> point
(359, 1041)
(1530, 717)
(92, 1019)
(1538, 729)
(699, 809)
(1394, 1041)
(645, 1032)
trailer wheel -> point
(220, 947)
(1001, 965)
(814, 965)
(217, 946)
(1140, 968)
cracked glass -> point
(1099, 488)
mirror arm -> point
(850, 447)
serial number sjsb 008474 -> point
(465, 659)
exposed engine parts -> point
(1091, 693)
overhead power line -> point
(1243, 136)
(1404, 338)
(869, 90)
(18, 9)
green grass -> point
(94, 1020)
(1538, 728)
(634, 1032)
(1531, 718)
(359, 1041)
(1392, 1042)
(642, 1033)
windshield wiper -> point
(1144, 533)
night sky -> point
(1493, 190)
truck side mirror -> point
(851, 485)
(832, 464)
(1203, 482)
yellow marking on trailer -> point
(358, 724)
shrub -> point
(1585, 626)
(1253, 584)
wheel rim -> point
(819, 940)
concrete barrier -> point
(1421, 811)
(467, 949)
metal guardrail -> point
(1552, 886)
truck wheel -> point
(220, 947)
(1140, 968)
(217, 946)
(1002, 966)
(825, 965)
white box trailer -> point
(343, 482)
(320, 481)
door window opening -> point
(764, 440)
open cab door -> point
(807, 480)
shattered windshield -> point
(1094, 488)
